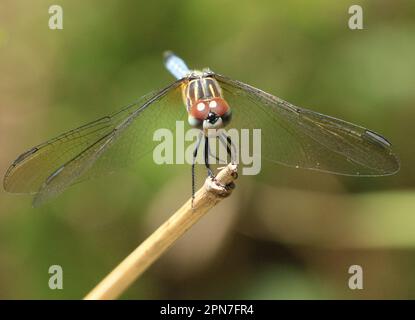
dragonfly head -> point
(213, 113)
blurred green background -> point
(290, 233)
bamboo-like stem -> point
(115, 283)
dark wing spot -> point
(25, 155)
(377, 138)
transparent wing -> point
(96, 148)
(302, 138)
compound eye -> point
(199, 110)
(218, 106)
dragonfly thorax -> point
(206, 107)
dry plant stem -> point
(114, 284)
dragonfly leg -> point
(229, 145)
(219, 160)
(199, 139)
(210, 172)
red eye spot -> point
(199, 110)
(218, 106)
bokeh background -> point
(286, 234)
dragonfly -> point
(290, 135)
